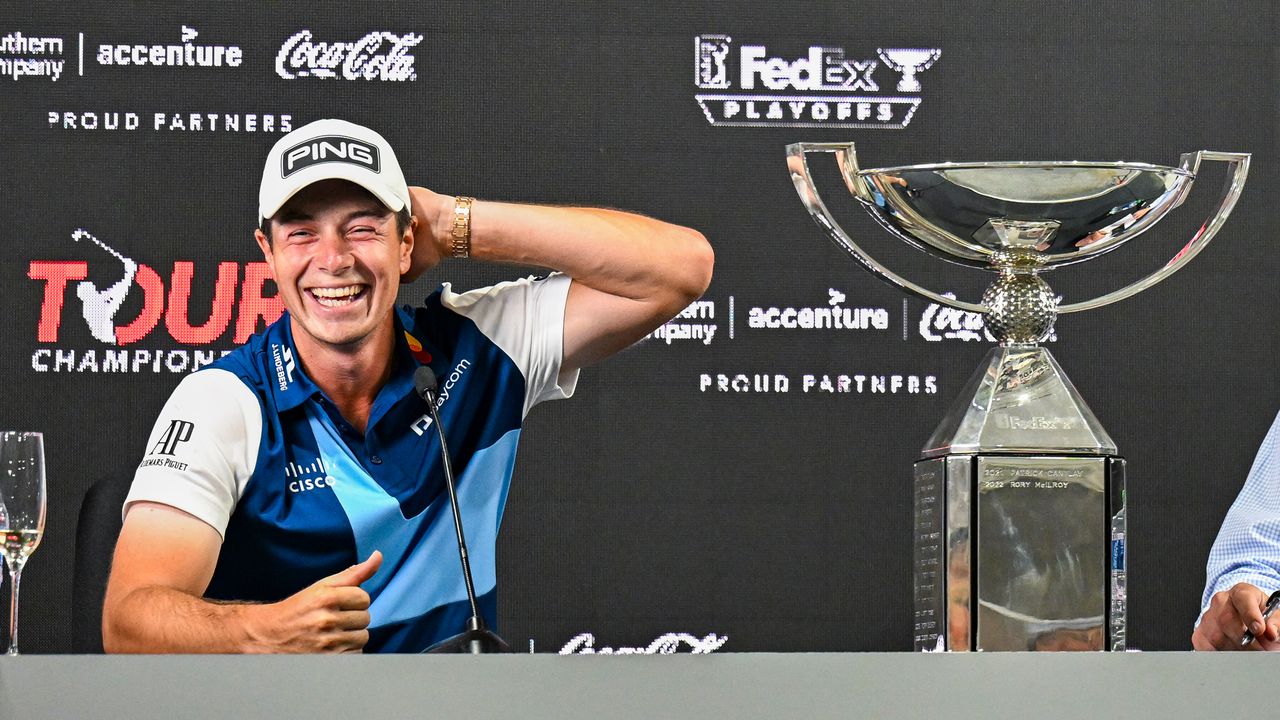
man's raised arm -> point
(631, 273)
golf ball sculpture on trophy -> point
(1019, 492)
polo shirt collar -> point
(403, 365)
(291, 387)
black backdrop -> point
(654, 501)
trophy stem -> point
(1021, 309)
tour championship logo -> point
(824, 86)
(72, 307)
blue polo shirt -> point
(251, 446)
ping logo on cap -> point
(329, 148)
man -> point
(1244, 564)
(291, 496)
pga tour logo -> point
(823, 87)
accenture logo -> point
(185, 53)
(376, 56)
(822, 87)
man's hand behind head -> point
(432, 216)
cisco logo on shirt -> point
(314, 476)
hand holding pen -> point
(1273, 603)
(1233, 612)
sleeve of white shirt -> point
(203, 448)
(1248, 545)
(525, 318)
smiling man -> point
(291, 498)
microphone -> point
(476, 639)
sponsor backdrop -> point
(741, 479)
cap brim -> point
(311, 176)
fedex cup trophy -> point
(1020, 491)
(909, 61)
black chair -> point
(96, 534)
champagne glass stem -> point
(15, 573)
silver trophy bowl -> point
(1059, 212)
(1022, 217)
(1019, 492)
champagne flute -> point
(22, 508)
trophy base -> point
(1013, 552)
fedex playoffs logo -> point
(821, 87)
(330, 148)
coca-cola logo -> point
(376, 56)
(666, 644)
(939, 322)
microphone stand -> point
(476, 639)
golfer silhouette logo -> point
(100, 306)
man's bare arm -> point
(631, 273)
(163, 563)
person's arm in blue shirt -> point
(1244, 564)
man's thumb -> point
(357, 573)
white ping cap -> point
(329, 150)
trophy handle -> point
(1231, 193)
(798, 164)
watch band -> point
(462, 226)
